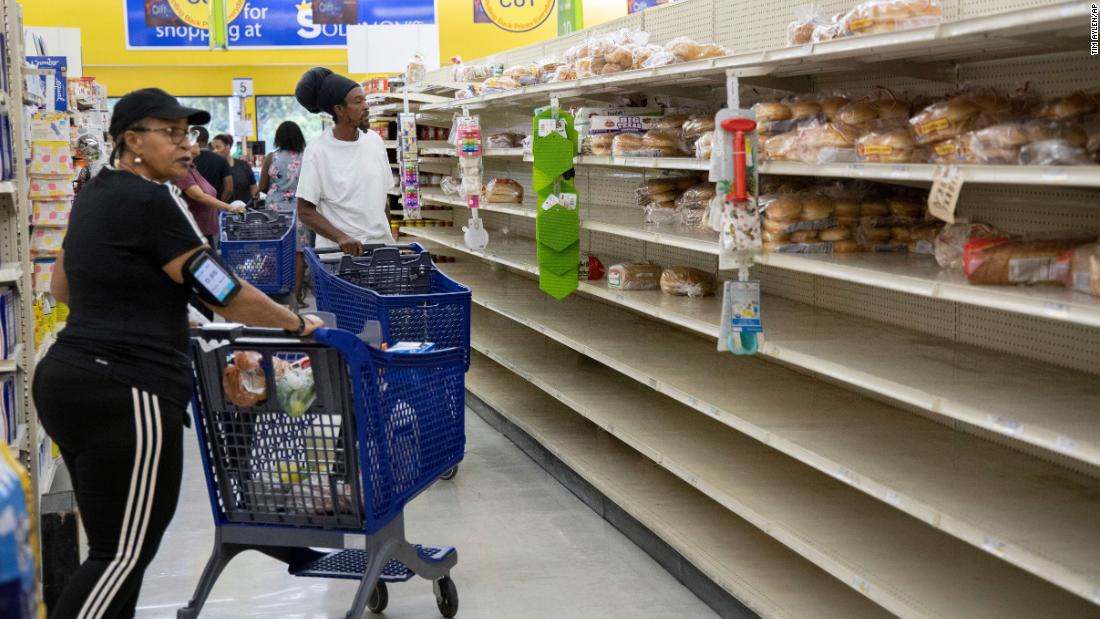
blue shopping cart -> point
(397, 285)
(259, 246)
(320, 443)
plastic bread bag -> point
(565, 73)
(697, 196)
(634, 276)
(886, 146)
(1003, 261)
(1091, 126)
(643, 53)
(687, 282)
(503, 190)
(801, 29)
(661, 58)
(704, 146)
(1071, 131)
(661, 142)
(504, 140)
(294, 385)
(1053, 152)
(824, 142)
(661, 213)
(468, 91)
(997, 144)
(630, 145)
(415, 71)
(1085, 269)
(949, 245)
(548, 68)
(782, 147)
(1070, 106)
(495, 85)
(524, 75)
(243, 379)
(944, 120)
(877, 16)
(662, 189)
(955, 150)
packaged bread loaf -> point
(831, 106)
(503, 190)
(878, 16)
(704, 146)
(660, 143)
(998, 144)
(599, 144)
(951, 241)
(658, 189)
(627, 145)
(1085, 269)
(661, 213)
(886, 146)
(687, 282)
(825, 142)
(1071, 106)
(944, 120)
(524, 75)
(634, 276)
(783, 147)
(1002, 261)
(771, 111)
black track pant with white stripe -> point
(123, 448)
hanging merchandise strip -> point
(408, 156)
(470, 149)
(557, 227)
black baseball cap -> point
(152, 103)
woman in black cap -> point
(345, 172)
(113, 391)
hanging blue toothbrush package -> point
(741, 318)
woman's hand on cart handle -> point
(310, 323)
(350, 246)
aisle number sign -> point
(263, 24)
(518, 15)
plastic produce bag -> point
(294, 386)
(243, 380)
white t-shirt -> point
(348, 183)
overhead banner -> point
(264, 24)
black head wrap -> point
(320, 90)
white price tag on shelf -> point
(947, 184)
(901, 171)
(1002, 424)
(1056, 174)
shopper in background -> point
(244, 179)
(114, 390)
(279, 180)
(202, 200)
(345, 172)
(213, 167)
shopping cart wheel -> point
(446, 597)
(450, 473)
(379, 598)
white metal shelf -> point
(7, 187)
(1002, 393)
(1008, 34)
(439, 197)
(11, 273)
(919, 275)
(922, 468)
(1062, 176)
(764, 575)
(908, 568)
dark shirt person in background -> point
(244, 179)
(214, 168)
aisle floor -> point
(527, 548)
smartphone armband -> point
(210, 279)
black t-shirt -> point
(214, 168)
(243, 180)
(128, 319)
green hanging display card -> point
(558, 226)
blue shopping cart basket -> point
(397, 285)
(259, 247)
(320, 443)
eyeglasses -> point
(175, 134)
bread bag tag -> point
(468, 144)
(739, 236)
(557, 224)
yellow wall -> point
(275, 72)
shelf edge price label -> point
(947, 184)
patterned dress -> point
(282, 194)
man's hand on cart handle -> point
(307, 324)
(350, 246)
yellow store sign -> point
(518, 15)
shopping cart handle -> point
(366, 250)
(234, 332)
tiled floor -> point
(527, 549)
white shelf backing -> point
(763, 574)
(11, 273)
(963, 485)
(1006, 394)
(906, 567)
